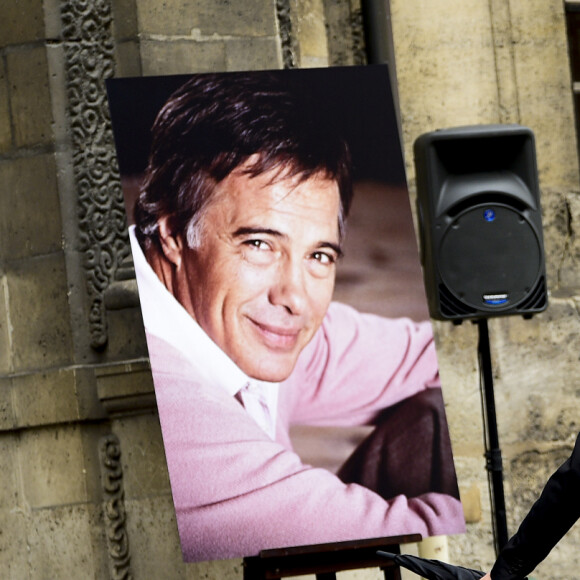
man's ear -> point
(171, 244)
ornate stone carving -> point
(287, 40)
(88, 49)
(358, 37)
(114, 507)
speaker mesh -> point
(537, 299)
(450, 306)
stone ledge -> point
(126, 388)
(48, 397)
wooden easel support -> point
(325, 560)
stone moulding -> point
(89, 60)
(358, 37)
(126, 388)
(114, 507)
(287, 41)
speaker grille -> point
(450, 306)
(537, 299)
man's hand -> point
(486, 577)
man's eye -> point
(324, 258)
(259, 252)
(257, 244)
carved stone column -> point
(114, 508)
(89, 60)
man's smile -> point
(276, 337)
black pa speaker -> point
(480, 222)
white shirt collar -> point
(166, 318)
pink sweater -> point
(237, 492)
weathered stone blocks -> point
(30, 223)
(27, 72)
(5, 124)
(22, 21)
(37, 301)
(182, 57)
(210, 17)
(52, 467)
(44, 398)
(60, 545)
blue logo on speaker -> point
(496, 299)
(489, 215)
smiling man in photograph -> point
(238, 229)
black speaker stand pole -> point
(491, 438)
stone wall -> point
(79, 437)
(75, 387)
(505, 62)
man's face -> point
(261, 279)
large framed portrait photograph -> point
(293, 360)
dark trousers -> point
(408, 453)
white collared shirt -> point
(166, 318)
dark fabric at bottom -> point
(408, 453)
(553, 514)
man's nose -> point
(288, 289)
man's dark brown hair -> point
(213, 124)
